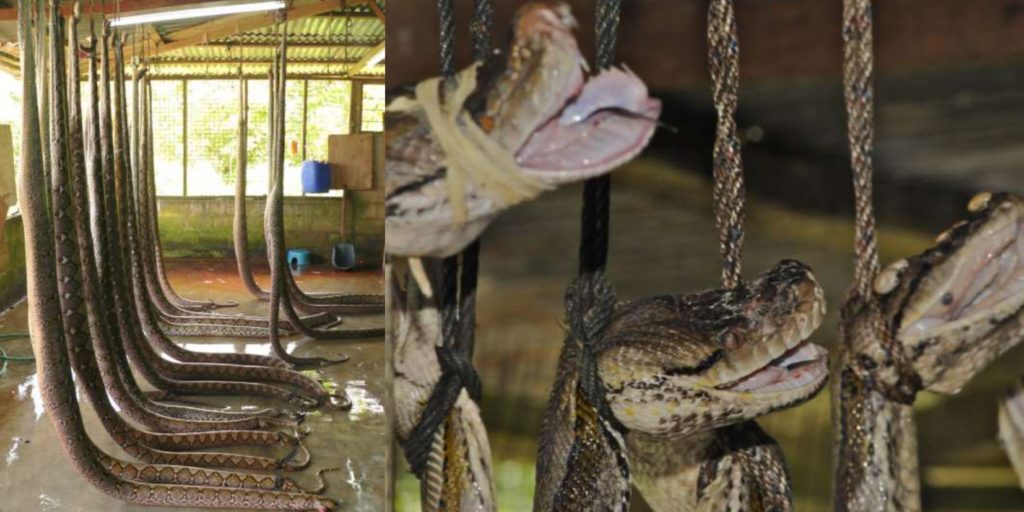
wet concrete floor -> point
(36, 475)
(663, 240)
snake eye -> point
(730, 340)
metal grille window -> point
(168, 137)
(195, 124)
(373, 108)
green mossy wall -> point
(201, 227)
(12, 263)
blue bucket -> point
(298, 258)
(316, 177)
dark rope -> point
(446, 10)
(589, 304)
(596, 191)
(456, 298)
(481, 28)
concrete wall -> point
(201, 227)
(12, 263)
(365, 210)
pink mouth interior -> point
(798, 367)
(608, 122)
(991, 275)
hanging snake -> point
(457, 475)
(172, 376)
(931, 322)
(680, 376)
(56, 308)
(522, 122)
(335, 303)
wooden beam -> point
(233, 75)
(778, 40)
(291, 44)
(361, 64)
(170, 61)
(376, 9)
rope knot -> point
(457, 367)
(589, 302)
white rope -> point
(470, 152)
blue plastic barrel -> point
(298, 258)
(316, 177)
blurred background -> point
(950, 123)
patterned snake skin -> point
(57, 317)
(683, 375)
(931, 322)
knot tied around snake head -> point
(457, 373)
(589, 305)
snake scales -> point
(930, 322)
(57, 319)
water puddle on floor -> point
(37, 475)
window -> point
(168, 137)
(209, 128)
(10, 97)
(373, 108)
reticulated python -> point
(54, 306)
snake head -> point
(563, 125)
(686, 363)
(957, 306)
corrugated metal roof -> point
(322, 45)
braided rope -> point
(481, 28)
(446, 10)
(857, 85)
(593, 254)
(729, 191)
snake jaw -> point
(958, 305)
(684, 379)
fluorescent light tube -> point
(376, 59)
(198, 12)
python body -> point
(457, 474)
(932, 322)
(530, 118)
(682, 375)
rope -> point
(596, 191)
(859, 95)
(471, 154)
(455, 355)
(481, 27)
(857, 85)
(4, 357)
(589, 304)
(729, 191)
(446, 9)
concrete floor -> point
(37, 476)
(663, 240)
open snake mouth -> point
(602, 123)
(805, 365)
(982, 280)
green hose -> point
(4, 358)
